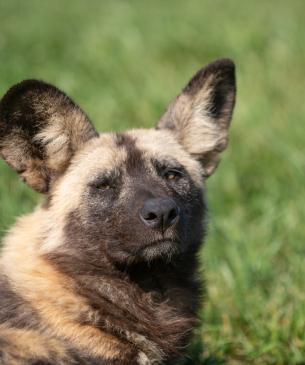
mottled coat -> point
(96, 274)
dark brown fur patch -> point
(134, 159)
(14, 310)
(223, 84)
(128, 308)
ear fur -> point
(200, 116)
(40, 130)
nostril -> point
(151, 217)
(172, 214)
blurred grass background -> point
(123, 61)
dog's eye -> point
(103, 185)
(172, 174)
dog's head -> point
(131, 196)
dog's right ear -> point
(40, 130)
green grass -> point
(123, 61)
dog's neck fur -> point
(153, 309)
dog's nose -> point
(159, 213)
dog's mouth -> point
(161, 247)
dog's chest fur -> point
(82, 314)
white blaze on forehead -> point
(161, 144)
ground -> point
(123, 62)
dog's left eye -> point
(103, 185)
(172, 174)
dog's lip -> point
(159, 242)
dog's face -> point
(137, 195)
(131, 196)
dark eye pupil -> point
(103, 185)
(172, 175)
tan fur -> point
(158, 144)
(53, 297)
(192, 123)
(97, 156)
(23, 344)
(150, 353)
(197, 131)
(63, 135)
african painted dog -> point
(105, 270)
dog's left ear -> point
(200, 116)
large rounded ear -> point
(200, 116)
(40, 130)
